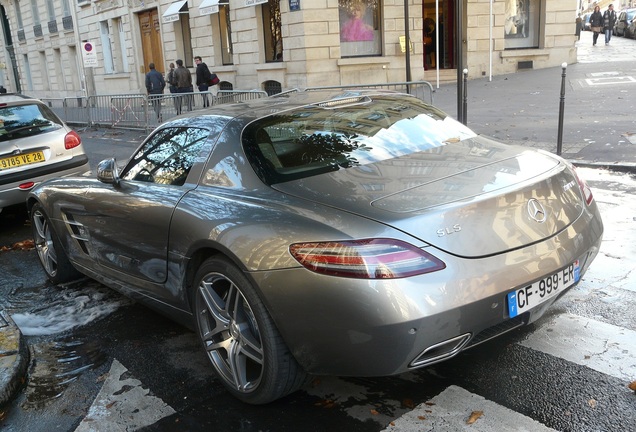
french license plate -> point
(524, 299)
(22, 159)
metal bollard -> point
(465, 104)
(561, 110)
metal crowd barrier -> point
(76, 110)
(231, 96)
(418, 89)
(56, 105)
(139, 111)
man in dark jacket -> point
(183, 77)
(609, 19)
(203, 79)
(154, 86)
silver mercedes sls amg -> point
(351, 233)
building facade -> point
(72, 48)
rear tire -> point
(52, 256)
(240, 338)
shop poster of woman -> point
(355, 29)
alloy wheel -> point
(44, 243)
(230, 332)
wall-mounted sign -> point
(172, 13)
(254, 2)
(89, 54)
(403, 44)
(208, 7)
(294, 5)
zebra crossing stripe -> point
(603, 347)
(455, 408)
(123, 405)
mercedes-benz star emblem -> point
(536, 210)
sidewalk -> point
(14, 358)
(521, 108)
(599, 105)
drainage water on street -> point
(48, 310)
(45, 314)
(54, 366)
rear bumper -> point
(349, 327)
(11, 194)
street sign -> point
(89, 54)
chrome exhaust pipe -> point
(441, 351)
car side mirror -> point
(107, 172)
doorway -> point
(442, 27)
(151, 40)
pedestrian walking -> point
(155, 84)
(171, 80)
(204, 78)
(183, 80)
(596, 23)
(609, 19)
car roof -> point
(6, 98)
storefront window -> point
(521, 28)
(360, 28)
(226, 33)
(273, 32)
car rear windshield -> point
(345, 133)
(20, 121)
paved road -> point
(126, 368)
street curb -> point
(14, 358)
(622, 166)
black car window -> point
(345, 133)
(19, 121)
(167, 156)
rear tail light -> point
(365, 259)
(72, 140)
(27, 185)
(585, 189)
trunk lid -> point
(472, 198)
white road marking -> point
(603, 347)
(123, 405)
(451, 409)
(610, 80)
(600, 74)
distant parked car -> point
(623, 21)
(630, 31)
(35, 145)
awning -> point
(254, 2)
(172, 13)
(208, 7)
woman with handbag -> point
(596, 23)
